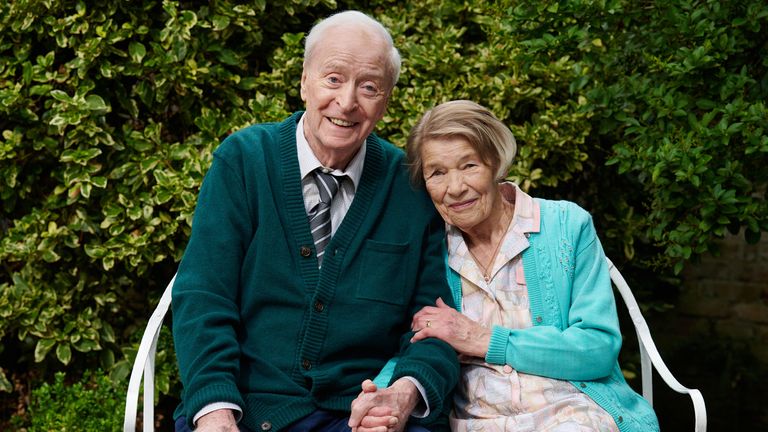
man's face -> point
(345, 87)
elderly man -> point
(310, 252)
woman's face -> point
(461, 185)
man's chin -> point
(343, 143)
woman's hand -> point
(449, 325)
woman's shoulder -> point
(562, 210)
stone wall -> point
(726, 297)
(716, 339)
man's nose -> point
(347, 97)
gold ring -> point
(429, 323)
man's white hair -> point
(359, 19)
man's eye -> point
(370, 89)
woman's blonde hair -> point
(491, 139)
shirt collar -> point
(526, 219)
(308, 162)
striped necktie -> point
(320, 215)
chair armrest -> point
(144, 365)
(649, 354)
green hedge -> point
(91, 404)
(650, 114)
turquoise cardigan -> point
(575, 334)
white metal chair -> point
(144, 365)
(650, 357)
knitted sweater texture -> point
(257, 324)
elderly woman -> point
(537, 331)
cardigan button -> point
(306, 364)
(583, 385)
(305, 251)
(319, 306)
(266, 426)
(538, 319)
(621, 419)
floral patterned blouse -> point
(492, 397)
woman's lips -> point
(462, 205)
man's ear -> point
(304, 86)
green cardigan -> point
(257, 324)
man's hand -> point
(383, 410)
(217, 421)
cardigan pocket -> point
(383, 272)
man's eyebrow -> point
(333, 66)
(340, 66)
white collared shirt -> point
(308, 162)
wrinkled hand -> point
(383, 410)
(447, 324)
(217, 421)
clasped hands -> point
(388, 409)
(383, 410)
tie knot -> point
(327, 184)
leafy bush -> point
(109, 112)
(91, 404)
(676, 95)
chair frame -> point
(144, 364)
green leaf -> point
(80, 156)
(220, 22)
(86, 345)
(5, 385)
(61, 96)
(99, 182)
(137, 51)
(120, 371)
(42, 348)
(107, 333)
(95, 103)
(64, 353)
(95, 250)
(27, 73)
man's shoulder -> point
(390, 151)
(255, 137)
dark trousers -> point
(319, 420)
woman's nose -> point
(455, 183)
